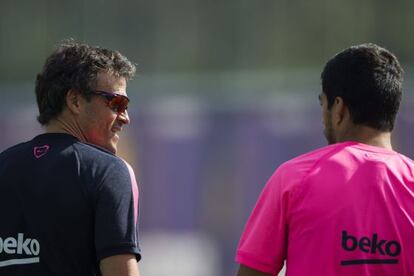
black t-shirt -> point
(64, 206)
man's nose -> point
(124, 117)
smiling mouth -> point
(115, 133)
(116, 129)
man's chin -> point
(111, 149)
(111, 146)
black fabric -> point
(67, 203)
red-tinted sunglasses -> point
(116, 102)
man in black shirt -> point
(69, 205)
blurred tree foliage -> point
(200, 36)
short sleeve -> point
(116, 212)
(263, 244)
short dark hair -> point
(75, 66)
(369, 80)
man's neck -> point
(369, 136)
(65, 125)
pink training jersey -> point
(345, 209)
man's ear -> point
(339, 111)
(73, 101)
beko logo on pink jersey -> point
(380, 251)
(17, 248)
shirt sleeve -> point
(263, 244)
(116, 213)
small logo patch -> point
(40, 151)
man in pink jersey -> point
(347, 208)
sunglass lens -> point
(119, 104)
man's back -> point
(53, 207)
(346, 209)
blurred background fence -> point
(226, 91)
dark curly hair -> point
(369, 80)
(75, 66)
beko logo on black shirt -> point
(19, 247)
(384, 251)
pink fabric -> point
(345, 209)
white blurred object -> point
(177, 117)
(183, 254)
(283, 271)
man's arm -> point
(116, 221)
(120, 265)
(245, 271)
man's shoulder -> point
(13, 150)
(93, 151)
(92, 154)
(406, 166)
(64, 145)
(406, 159)
(310, 158)
(102, 169)
(295, 169)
